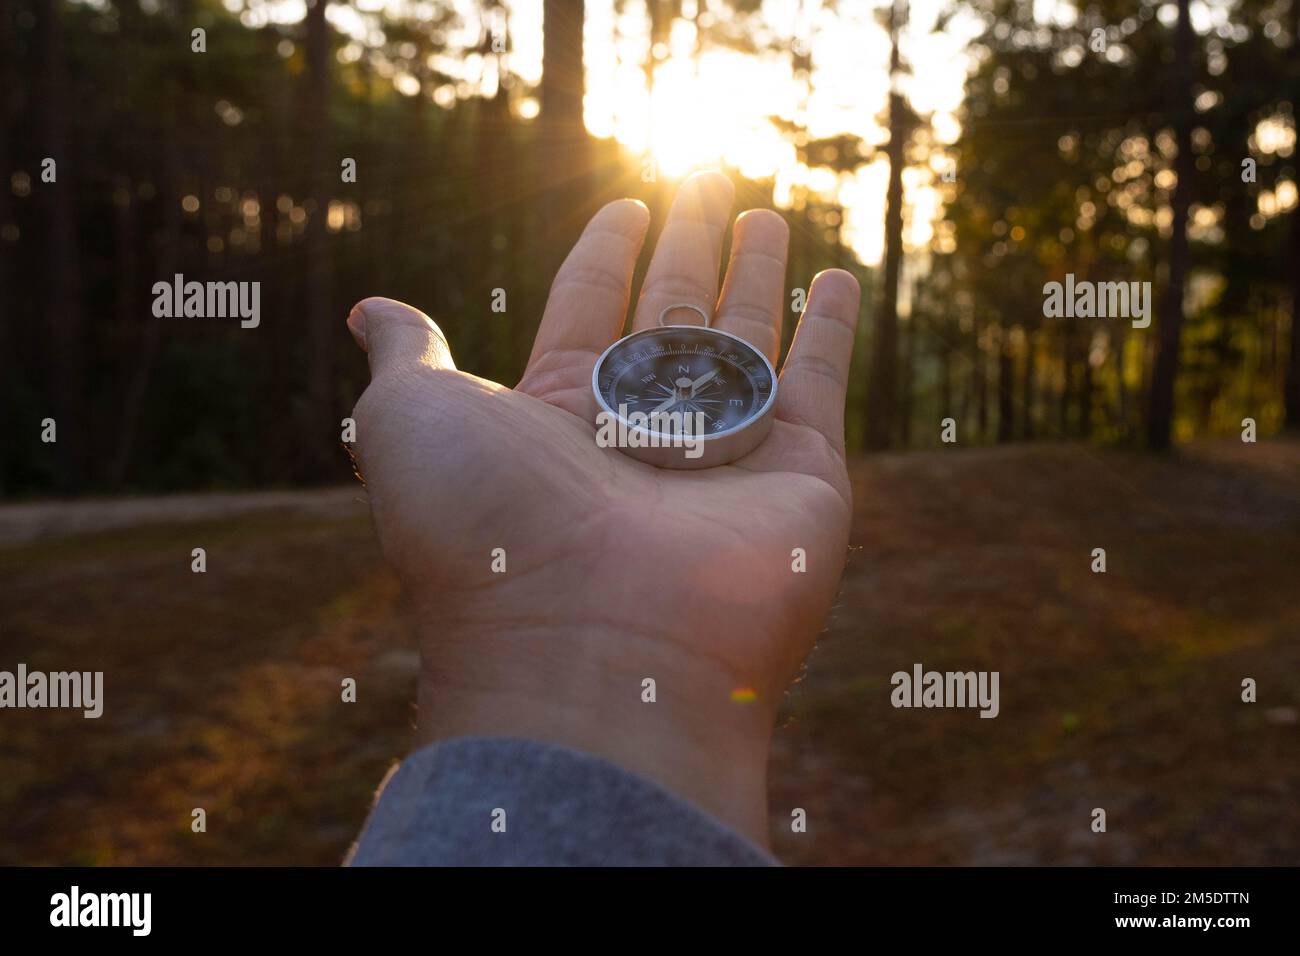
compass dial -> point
(720, 380)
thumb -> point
(396, 336)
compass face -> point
(686, 369)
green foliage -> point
(1066, 166)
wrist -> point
(586, 689)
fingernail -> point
(357, 326)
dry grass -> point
(1119, 690)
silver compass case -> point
(695, 369)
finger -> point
(815, 377)
(684, 269)
(753, 295)
(396, 336)
(589, 297)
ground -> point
(1119, 691)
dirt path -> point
(24, 523)
(1118, 691)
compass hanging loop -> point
(684, 305)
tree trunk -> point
(561, 164)
(1067, 381)
(981, 382)
(61, 306)
(905, 389)
(1160, 417)
(563, 135)
(1291, 379)
(10, 300)
(490, 352)
(1006, 388)
(882, 381)
(166, 243)
(321, 321)
(1291, 388)
(945, 377)
(1120, 346)
(1028, 389)
(1085, 394)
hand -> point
(616, 571)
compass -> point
(715, 385)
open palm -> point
(519, 537)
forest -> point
(447, 153)
(1076, 228)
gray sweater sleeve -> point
(495, 801)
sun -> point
(687, 124)
(701, 112)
